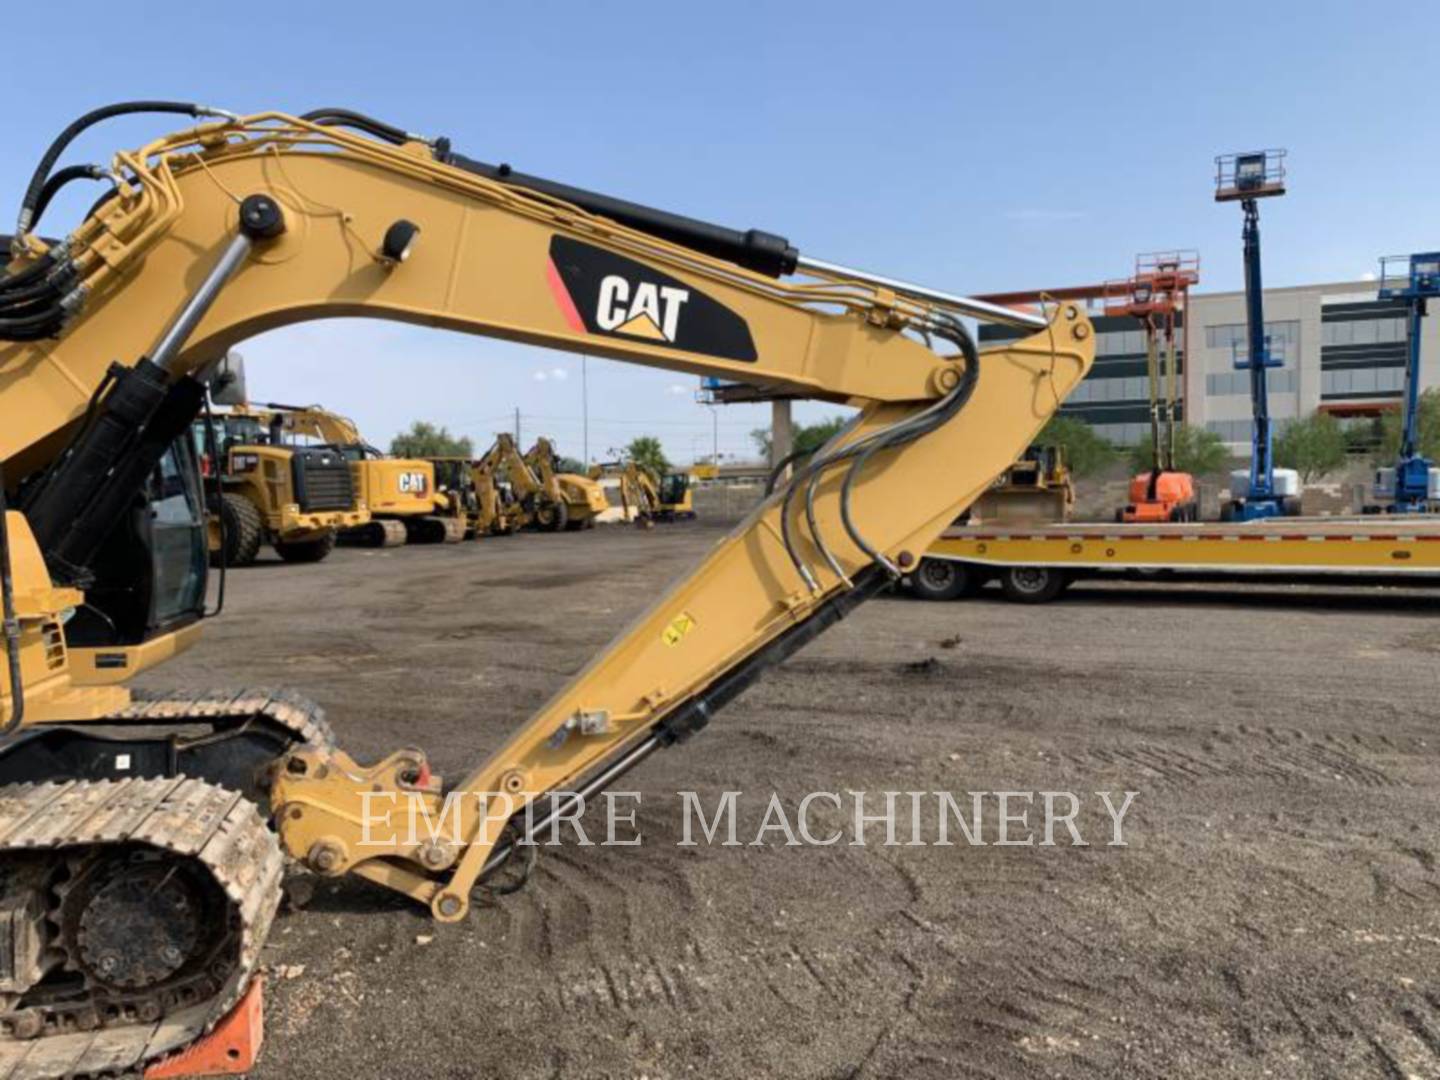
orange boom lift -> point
(1155, 296)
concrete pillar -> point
(782, 431)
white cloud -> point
(540, 376)
(1369, 275)
(559, 374)
(675, 389)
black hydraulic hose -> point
(67, 175)
(957, 400)
(20, 278)
(38, 179)
(32, 327)
(12, 625)
(359, 121)
(783, 464)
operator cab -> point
(150, 573)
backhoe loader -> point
(584, 499)
(294, 498)
(142, 836)
(401, 493)
(483, 506)
(543, 508)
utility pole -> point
(782, 431)
(517, 425)
(715, 437)
(585, 406)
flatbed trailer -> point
(1036, 563)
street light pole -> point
(585, 406)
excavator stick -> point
(800, 562)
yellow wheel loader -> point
(403, 498)
(142, 835)
(584, 499)
(293, 498)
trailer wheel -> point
(244, 531)
(1290, 506)
(944, 579)
(306, 551)
(1033, 584)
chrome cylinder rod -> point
(966, 305)
(167, 349)
(563, 804)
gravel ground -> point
(1273, 912)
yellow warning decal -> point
(679, 626)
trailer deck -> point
(1358, 547)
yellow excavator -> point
(142, 835)
(676, 496)
(483, 506)
(401, 493)
(584, 498)
(639, 494)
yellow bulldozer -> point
(294, 498)
(402, 496)
(143, 835)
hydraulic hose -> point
(28, 205)
(65, 176)
(361, 122)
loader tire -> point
(244, 531)
(552, 516)
(306, 551)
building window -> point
(1375, 380)
(1386, 330)
(1233, 336)
(1228, 383)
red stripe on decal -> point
(562, 297)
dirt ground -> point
(1274, 912)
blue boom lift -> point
(1247, 178)
(1413, 279)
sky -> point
(971, 147)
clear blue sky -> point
(971, 147)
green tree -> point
(1197, 451)
(1427, 430)
(1312, 447)
(429, 440)
(807, 438)
(1085, 450)
(569, 465)
(645, 451)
